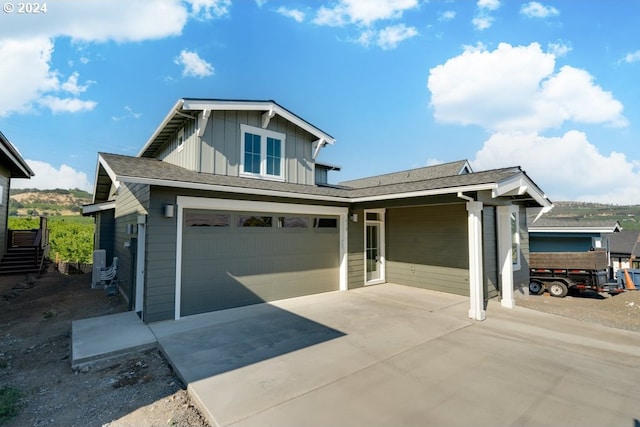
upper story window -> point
(180, 140)
(261, 153)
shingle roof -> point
(572, 224)
(139, 169)
(623, 242)
(419, 174)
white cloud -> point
(49, 177)
(66, 105)
(568, 167)
(130, 114)
(488, 4)
(517, 89)
(210, 9)
(27, 79)
(447, 15)
(632, 57)
(389, 37)
(295, 14)
(535, 9)
(362, 12)
(483, 19)
(193, 65)
(558, 49)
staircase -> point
(21, 260)
(27, 250)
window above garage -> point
(262, 153)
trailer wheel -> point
(535, 288)
(558, 289)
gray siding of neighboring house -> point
(132, 201)
(218, 151)
(355, 251)
(427, 247)
(4, 208)
(490, 252)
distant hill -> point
(627, 215)
(34, 202)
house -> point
(226, 205)
(624, 249)
(569, 234)
(572, 235)
(12, 165)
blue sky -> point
(550, 86)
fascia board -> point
(159, 129)
(521, 184)
(198, 105)
(572, 229)
(98, 207)
(110, 173)
(8, 150)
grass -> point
(9, 403)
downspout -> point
(474, 224)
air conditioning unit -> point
(99, 263)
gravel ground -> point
(620, 311)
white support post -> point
(476, 295)
(505, 256)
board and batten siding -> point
(427, 247)
(218, 151)
(133, 200)
(105, 232)
(5, 184)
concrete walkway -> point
(391, 355)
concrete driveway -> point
(390, 355)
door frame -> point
(380, 222)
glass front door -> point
(372, 251)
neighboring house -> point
(624, 249)
(571, 235)
(226, 206)
(12, 165)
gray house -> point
(12, 165)
(226, 206)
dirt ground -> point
(141, 389)
(35, 339)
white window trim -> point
(180, 140)
(515, 210)
(264, 134)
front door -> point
(374, 246)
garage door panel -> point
(235, 266)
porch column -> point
(476, 295)
(505, 256)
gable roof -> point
(623, 242)
(199, 109)
(12, 160)
(115, 168)
(420, 174)
(572, 225)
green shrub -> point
(9, 403)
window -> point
(262, 153)
(293, 222)
(194, 219)
(180, 140)
(325, 223)
(515, 237)
(254, 221)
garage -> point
(233, 258)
